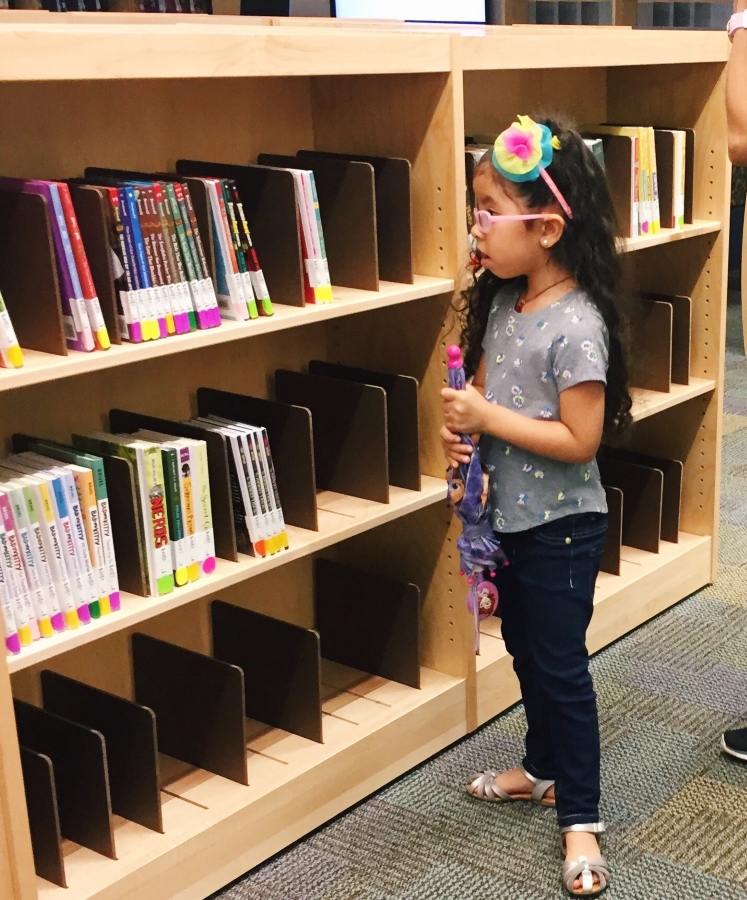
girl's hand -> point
(454, 450)
(465, 411)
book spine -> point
(28, 629)
(77, 304)
(258, 526)
(133, 300)
(92, 608)
(207, 282)
(325, 283)
(261, 291)
(55, 555)
(239, 249)
(681, 150)
(154, 275)
(188, 505)
(259, 484)
(181, 303)
(149, 320)
(93, 307)
(159, 271)
(107, 535)
(240, 501)
(8, 599)
(155, 497)
(239, 307)
(232, 304)
(208, 289)
(41, 561)
(170, 463)
(656, 211)
(11, 355)
(185, 256)
(67, 543)
(205, 506)
(89, 512)
(127, 309)
(274, 484)
(202, 301)
(38, 600)
(637, 225)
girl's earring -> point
(544, 243)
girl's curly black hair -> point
(587, 250)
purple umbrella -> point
(479, 548)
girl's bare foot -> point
(515, 782)
(578, 844)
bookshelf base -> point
(216, 830)
(647, 585)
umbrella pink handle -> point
(455, 357)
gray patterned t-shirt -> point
(531, 359)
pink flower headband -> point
(524, 151)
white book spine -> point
(191, 530)
(204, 500)
(79, 535)
(36, 592)
(55, 551)
(107, 539)
(270, 480)
(25, 614)
(10, 585)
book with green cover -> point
(151, 493)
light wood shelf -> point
(225, 48)
(340, 517)
(536, 47)
(670, 236)
(40, 367)
(221, 88)
(648, 403)
(648, 584)
(375, 733)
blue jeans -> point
(546, 602)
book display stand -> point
(156, 748)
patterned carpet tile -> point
(675, 806)
(703, 827)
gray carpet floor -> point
(676, 808)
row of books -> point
(173, 503)
(58, 566)
(646, 144)
(258, 514)
(317, 283)
(58, 569)
(169, 278)
(83, 321)
(647, 169)
(164, 284)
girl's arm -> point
(574, 439)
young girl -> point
(541, 340)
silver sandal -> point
(584, 867)
(483, 786)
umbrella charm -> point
(479, 548)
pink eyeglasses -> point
(485, 220)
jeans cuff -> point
(538, 773)
(564, 821)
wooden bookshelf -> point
(42, 367)
(340, 518)
(670, 236)
(227, 89)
